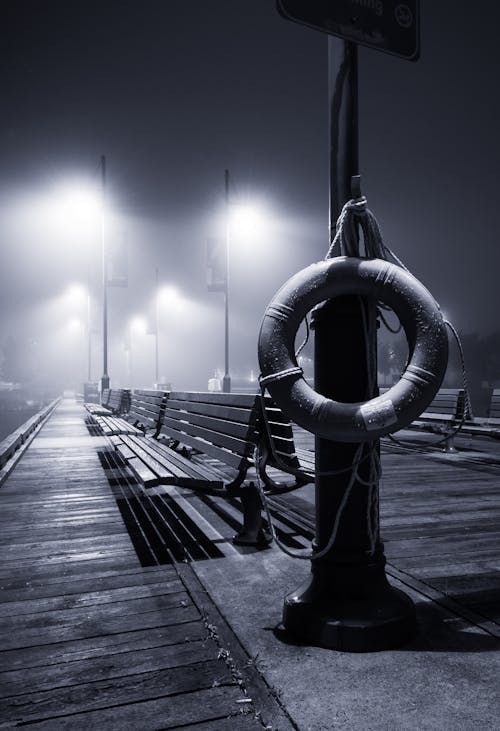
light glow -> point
(138, 325)
(76, 294)
(170, 297)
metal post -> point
(89, 343)
(226, 381)
(157, 315)
(105, 376)
(347, 604)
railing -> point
(11, 444)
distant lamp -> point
(80, 203)
(247, 221)
(76, 294)
(170, 297)
(138, 325)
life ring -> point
(379, 280)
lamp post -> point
(105, 376)
(226, 381)
(244, 218)
(175, 302)
(89, 340)
(157, 327)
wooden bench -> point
(102, 408)
(146, 410)
(112, 422)
(206, 442)
(489, 426)
(442, 416)
(145, 413)
(277, 449)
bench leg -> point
(252, 533)
(449, 445)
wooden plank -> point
(219, 411)
(66, 601)
(210, 397)
(130, 686)
(137, 449)
(87, 628)
(121, 664)
(212, 424)
(194, 438)
(186, 472)
(145, 475)
(43, 656)
(67, 587)
(167, 712)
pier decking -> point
(120, 611)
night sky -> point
(173, 92)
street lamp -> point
(245, 219)
(170, 297)
(76, 294)
(80, 204)
(105, 375)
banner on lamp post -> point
(117, 264)
(216, 265)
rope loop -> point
(286, 373)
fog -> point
(174, 95)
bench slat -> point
(232, 413)
(234, 460)
(182, 429)
(210, 397)
(217, 426)
(179, 470)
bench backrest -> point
(119, 400)
(222, 425)
(278, 437)
(494, 410)
(447, 401)
(146, 408)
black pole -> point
(157, 327)
(105, 376)
(347, 604)
(226, 381)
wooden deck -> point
(90, 638)
(104, 624)
(440, 521)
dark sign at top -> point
(388, 25)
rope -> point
(272, 377)
(375, 248)
(354, 213)
(373, 526)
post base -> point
(383, 619)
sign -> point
(216, 265)
(388, 25)
(117, 264)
